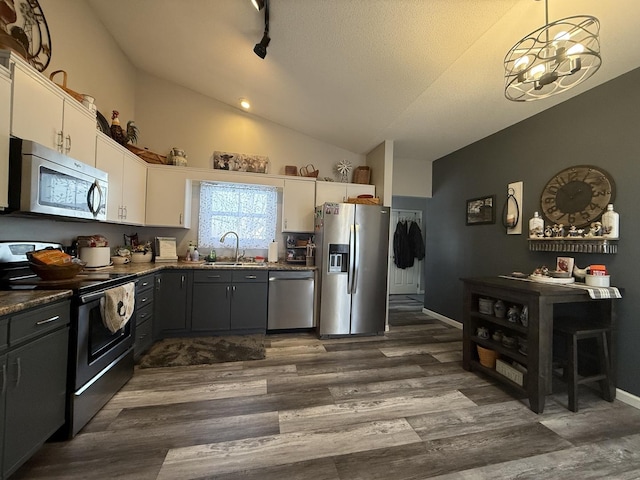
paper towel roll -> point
(273, 252)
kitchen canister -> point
(485, 306)
(94, 257)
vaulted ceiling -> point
(427, 74)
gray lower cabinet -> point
(229, 301)
(144, 315)
(172, 303)
(35, 378)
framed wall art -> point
(481, 211)
(240, 162)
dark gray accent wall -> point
(599, 127)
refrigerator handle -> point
(353, 240)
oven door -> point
(96, 347)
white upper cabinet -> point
(127, 182)
(134, 192)
(337, 192)
(298, 205)
(42, 112)
(5, 116)
(168, 197)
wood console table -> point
(540, 300)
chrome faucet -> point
(237, 241)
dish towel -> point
(117, 306)
(598, 293)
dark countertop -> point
(152, 267)
(17, 300)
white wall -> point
(172, 116)
(412, 178)
(380, 159)
(94, 63)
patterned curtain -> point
(248, 210)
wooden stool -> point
(573, 331)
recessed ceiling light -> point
(244, 103)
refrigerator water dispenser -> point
(338, 258)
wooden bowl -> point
(57, 272)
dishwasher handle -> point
(303, 275)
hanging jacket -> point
(403, 257)
(415, 241)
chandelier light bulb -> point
(522, 62)
(576, 49)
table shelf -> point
(516, 326)
(476, 365)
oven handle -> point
(90, 297)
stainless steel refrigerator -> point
(352, 243)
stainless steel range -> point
(100, 362)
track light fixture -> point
(261, 48)
(259, 4)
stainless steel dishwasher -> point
(291, 300)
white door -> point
(404, 280)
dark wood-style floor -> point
(393, 407)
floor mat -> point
(178, 352)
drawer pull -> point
(19, 376)
(144, 284)
(213, 276)
(48, 320)
(143, 299)
(250, 277)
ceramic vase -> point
(141, 257)
(499, 309)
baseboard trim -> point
(628, 398)
(442, 318)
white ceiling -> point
(427, 74)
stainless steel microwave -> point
(44, 181)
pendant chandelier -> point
(552, 59)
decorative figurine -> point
(118, 134)
(513, 314)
